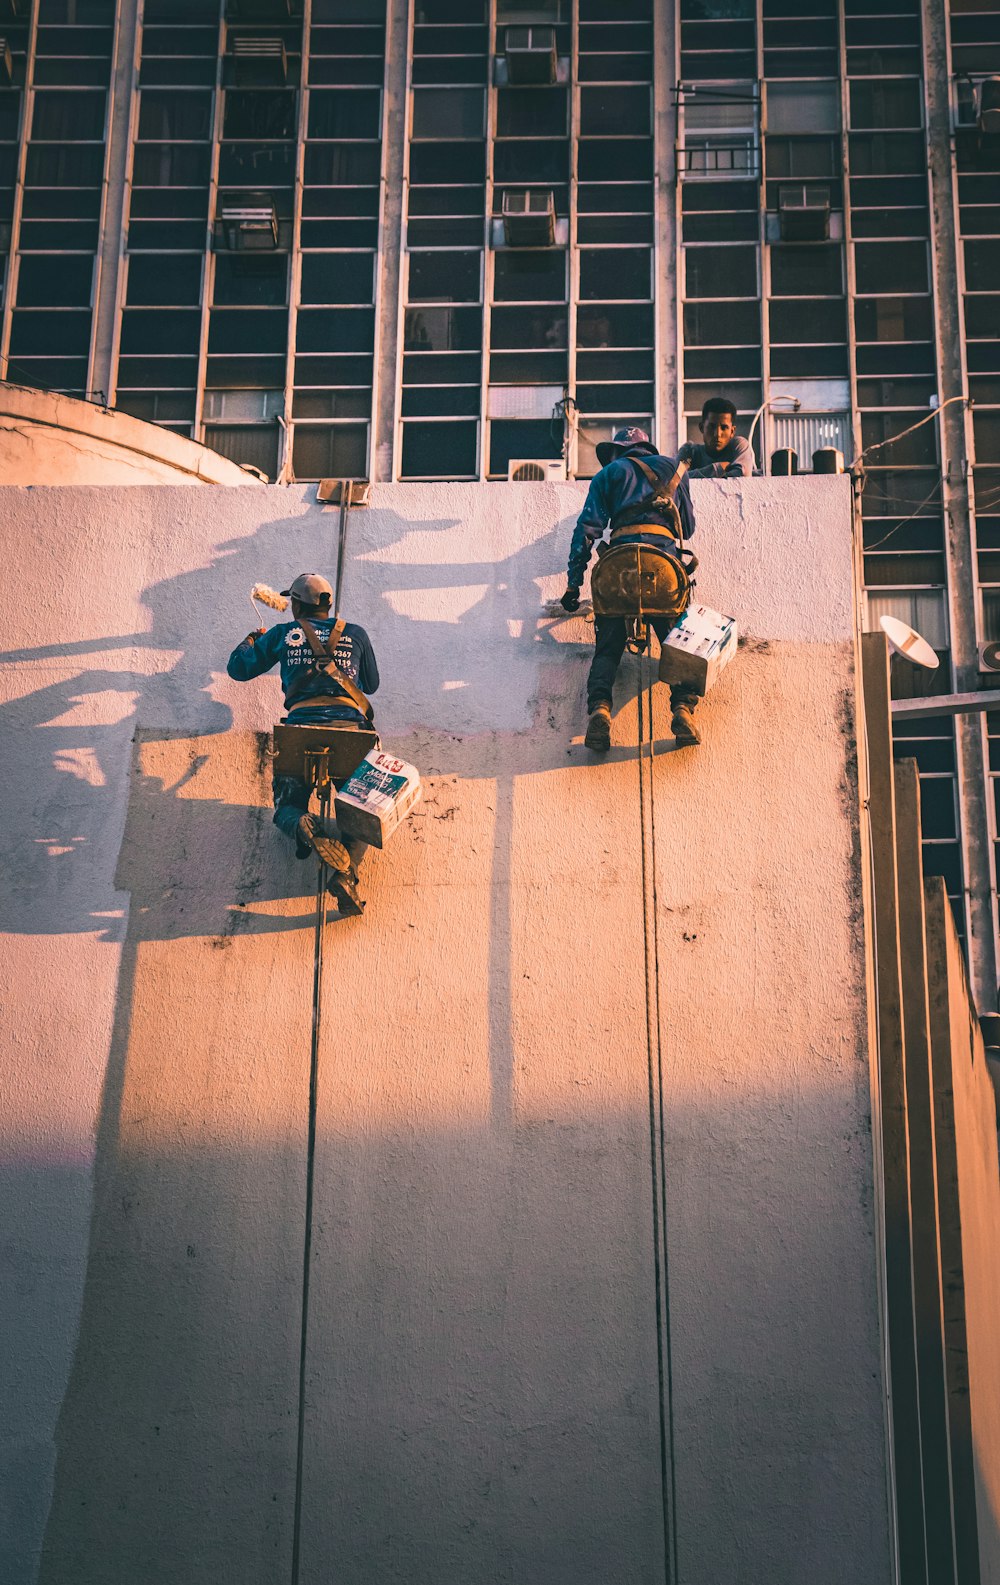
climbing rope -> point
(657, 1147)
(317, 1021)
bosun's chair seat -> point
(639, 580)
(346, 747)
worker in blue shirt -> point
(621, 494)
(314, 697)
(723, 454)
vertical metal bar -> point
(208, 279)
(666, 192)
(961, 559)
(488, 249)
(345, 506)
(27, 102)
(389, 290)
(285, 465)
(109, 273)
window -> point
(923, 609)
(803, 107)
(62, 282)
(893, 319)
(898, 266)
(610, 112)
(806, 271)
(982, 265)
(795, 320)
(448, 112)
(531, 112)
(443, 329)
(243, 280)
(255, 445)
(253, 115)
(538, 327)
(445, 277)
(337, 278)
(885, 103)
(513, 438)
(525, 277)
(173, 279)
(339, 451)
(354, 113)
(615, 273)
(70, 117)
(439, 451)
(165, 115)
(721, 272)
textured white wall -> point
(483, 1377)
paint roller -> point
(266, 596)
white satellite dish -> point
(906, 641)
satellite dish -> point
(906, 641)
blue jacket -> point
(619, 485)
(286, 645)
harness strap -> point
(645, 528)
(323, 655)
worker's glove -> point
(571, 599)
(258, 632)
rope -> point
(317, 1019)
(657, 1154)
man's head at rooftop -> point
(718, 424)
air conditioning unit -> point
(804, 212)
(989, 105)
(257, 62)
(536, 470)
(530, 54)
(529, 217)
(989, 656)
(247, 223)
(6, 64)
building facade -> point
(442, 239)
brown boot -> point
(682, 725)
(598, 738)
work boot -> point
(343, 887)
(310, 834)
(598, 738)
(686, 734)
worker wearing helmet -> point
(621, 494)
(314, 696)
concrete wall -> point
(969, 1187)
(483, 1399)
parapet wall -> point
(483, 1397)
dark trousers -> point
(291, 800)
(609, 647)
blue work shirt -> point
(287, 645)
(621, 484)
(734, 461)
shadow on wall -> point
(192, 1281)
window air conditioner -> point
(530, 54)
(247, 223)
(529, 217)
(536, 470)
(258, 62)
(989, 105)
(804, 212)
(989, 656)
(329, 492)
(242, 407)
(6, 64)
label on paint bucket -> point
(377, 797)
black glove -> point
(571, 599)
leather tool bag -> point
(324, 662)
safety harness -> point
(345, 692)
(634, 517)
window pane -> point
(172, 279)
(444, 277)
(721, 324)
(513, 438)
(528, 327)
(254, 444)
(448, 112)
(340, 452)
(610, 112)
(247, 280)
(531, 112)
(530, 277)
(891, 266)
(803, 107)
(982, 265)
(806, 271)
(893, 318)
(55, 282)
(806, 320)
(345, 114)
(443, 329)
(70, 116)
(164, 114)
(337, 277)
(884, 103)
(615, 272)
(256, 115)
(614, 325)
(721, 272)
(445, 450)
